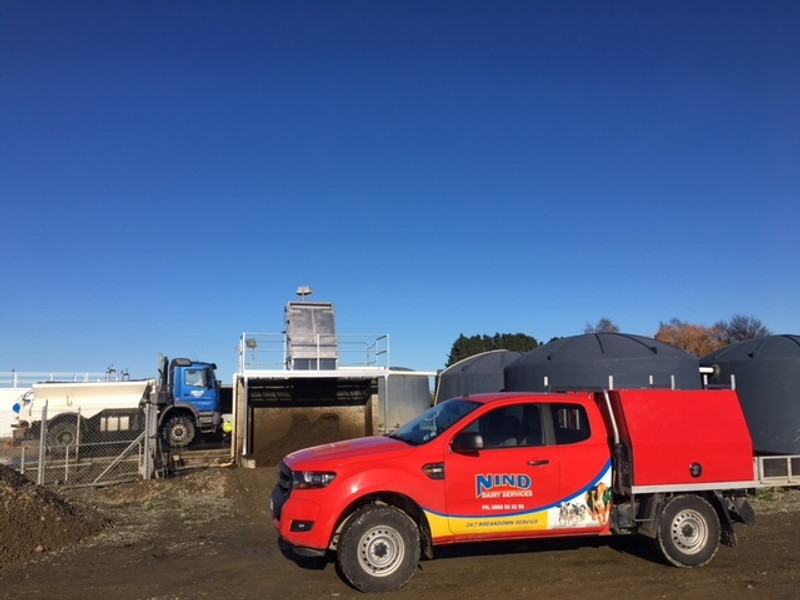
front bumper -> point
(297, 517)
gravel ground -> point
(208, 533)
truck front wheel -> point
(689, 531)
(378, 549)
(179, 431)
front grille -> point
(285, 480)
(282, 490)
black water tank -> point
(475, 375)
(588, 361)
(766, 374)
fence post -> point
(42, 444)
(78, 435)
(66, 462)
(151, 433)
(145, 447)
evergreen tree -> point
(464, 347)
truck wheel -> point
(60, 436)
(688, 532)
(378, 549)
(179, 431)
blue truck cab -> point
(190, 399)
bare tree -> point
(604, 325)
(742, 327)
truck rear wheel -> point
(378, 549)
(688, 531)
(179, 431)
(62, 436)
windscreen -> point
(434, 421)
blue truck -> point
(191, 401)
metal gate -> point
(118, 447)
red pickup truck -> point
(674, 466)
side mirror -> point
(467, 442)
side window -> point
(570, 423)
(532, 430)
(500, 428)
(196, 377)
(510, 427)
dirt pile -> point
(303, 433)
(35, 520)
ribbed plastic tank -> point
(603, 360)
(475, 374)
(766, 374)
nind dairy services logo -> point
(503, 485)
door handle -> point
(538, 463)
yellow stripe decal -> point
(495, 524)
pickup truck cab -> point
(521, 466)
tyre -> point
(688, 531)
(62, 435)
(378, 549)
(179, 431)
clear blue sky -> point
(171, 172)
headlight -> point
(304, 480)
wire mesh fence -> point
(69, 450)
